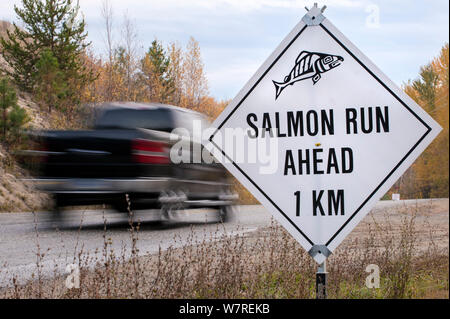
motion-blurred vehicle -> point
(125, 162)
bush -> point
(13, 117)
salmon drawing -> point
(308, 65)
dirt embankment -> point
(15, 194)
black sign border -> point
(382, 182)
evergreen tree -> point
(158, 59)
(51, 88)
(13, 117)
(48, 25)
(154, 70)
(7, 99)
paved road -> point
(23, 234)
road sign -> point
(319, 134)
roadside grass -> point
(266, 264)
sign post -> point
(318, 135)
(321, 281)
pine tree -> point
(13, 117)
(48, 25)
(8, 99)
(51, 89)
(154, 71)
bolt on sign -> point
(335, 130)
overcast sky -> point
(236, 36)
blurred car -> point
(124, 162)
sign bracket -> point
(314, 16)
(319, 249)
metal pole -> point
(321, 281)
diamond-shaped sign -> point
(319, 134)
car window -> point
(187, 121)
(154, 119)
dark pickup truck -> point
(127, 154)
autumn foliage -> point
(162, 75)
(52, 60)
(428, 177)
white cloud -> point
(249, 5)
(230, 78)
(178, 8)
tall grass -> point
(266, 264)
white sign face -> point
(319, 134)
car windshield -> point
(155, 119)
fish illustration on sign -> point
(308, 65)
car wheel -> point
(57, 217)
(225, 213)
